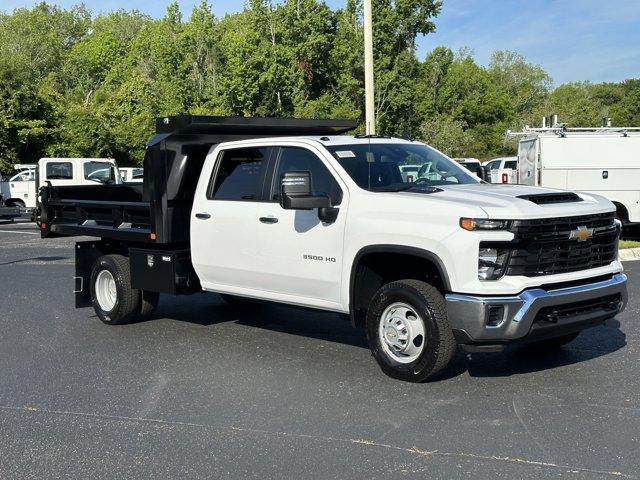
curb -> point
(629, 254)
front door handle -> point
(268, 219)
(203, 215)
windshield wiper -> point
(405, 187)
(399, 187)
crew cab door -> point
(299, 256)
(224, 219)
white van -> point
(605, 161)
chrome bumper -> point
(500, 319)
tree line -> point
(75, 84)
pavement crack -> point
(414, 451)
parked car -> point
(502, 163)
(327, 221)
(502, 170)
(131, 174)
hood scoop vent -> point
(547, 198)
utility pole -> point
(369, 99)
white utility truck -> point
(78, 171)
(288, 210)
(20, 189)
(604, 160)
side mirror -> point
(482, 172)
(295, 192)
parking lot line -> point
(18, 231)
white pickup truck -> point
(328, 221)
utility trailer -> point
(148, 223)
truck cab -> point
(19, 190)
(293, 211)
(78, 171)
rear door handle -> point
(268, 219)
(203, 215)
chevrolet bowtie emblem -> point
(581, 234)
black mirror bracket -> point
(328, 214)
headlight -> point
(483, 224)
(491, 263)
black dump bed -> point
(158, 211)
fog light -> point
(491, 263)
(495, 315)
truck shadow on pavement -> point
(210, 310)
(35, 259)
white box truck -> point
(605, 161)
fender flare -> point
(399, 249)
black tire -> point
(148, 304)
(439, 344)
(236, 301)
(552, 343)
(127, 302)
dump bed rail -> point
(113, 218)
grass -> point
(629, 244)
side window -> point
(512, 164)
(294, 159)
(99, 172)
(59, 171)
(494, 165)
(238, 174)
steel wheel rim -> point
(401, 333)
(106, 292)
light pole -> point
(369, 102)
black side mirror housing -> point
(295, 192)
(482, 172)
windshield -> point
(398, 166)
(102, 172)
(25, 176)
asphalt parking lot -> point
(205, 391)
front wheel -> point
(408, 331)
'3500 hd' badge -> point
(319, 258)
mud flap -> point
(86, 255)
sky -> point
(573, 40)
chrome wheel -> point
(105, 288)
(401, 332)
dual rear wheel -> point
(113, 299)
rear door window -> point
(239, 174)
(59, 171)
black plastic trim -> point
(390, 248)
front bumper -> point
(535, 313)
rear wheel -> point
(113, 299)
(408, 331)
(15, 203)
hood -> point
(501, 201)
